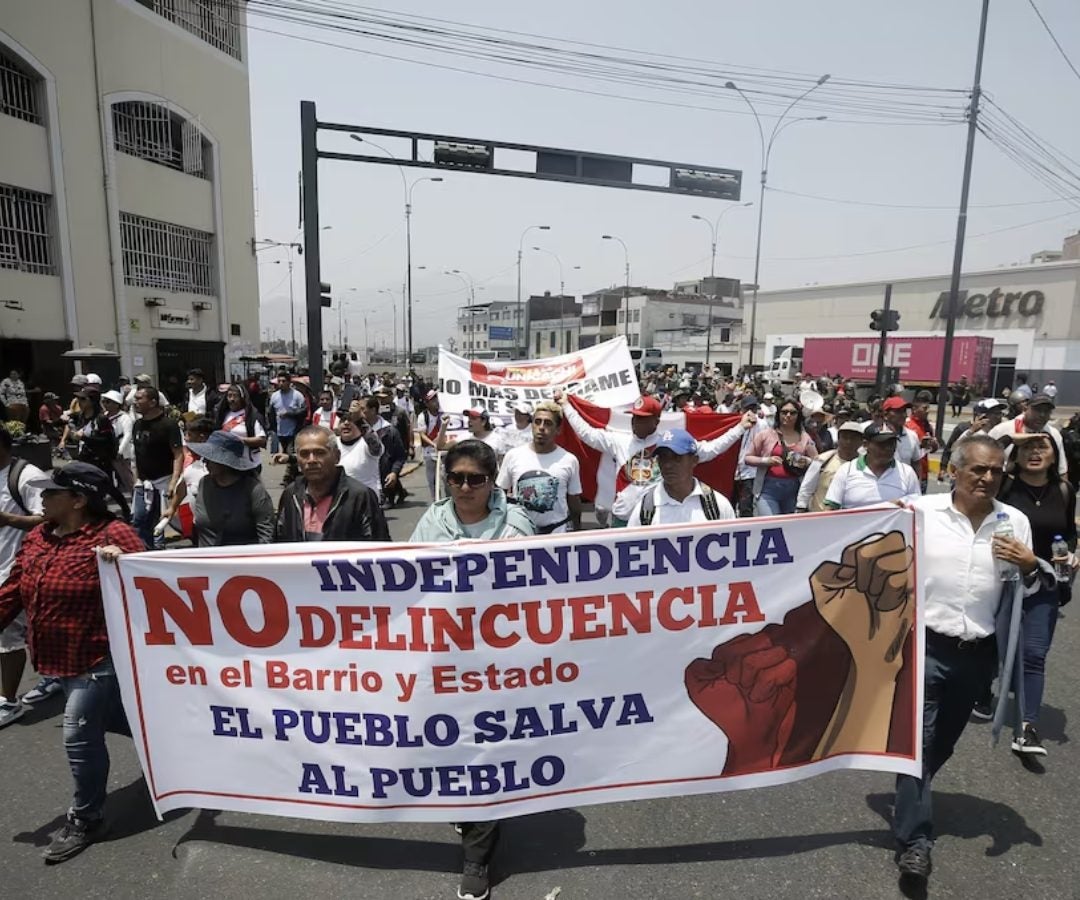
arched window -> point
(153, 132)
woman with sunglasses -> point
(1033, 485)
(781, 455)
(475, 509)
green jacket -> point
(440, 522)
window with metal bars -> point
(20, 90)
(217, 22)
(166, 256)
(25, 231)
(151, 131)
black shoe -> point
(1028, 743)
(984, 710)
(72, 839)
(914, 863)
(474, 882)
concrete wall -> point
(139, 55)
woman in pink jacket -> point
(781, 455)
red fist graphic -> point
(747, 689)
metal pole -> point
(626, 299)
(518, 336)
(757, 269)
(961, 225)
(712, 296)
(292, 305)
(408, 282)
(309, 174)
(883, 346)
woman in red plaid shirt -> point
(55, 579)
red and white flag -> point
(719, 473)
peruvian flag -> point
(719, 473)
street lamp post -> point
(406, 318)
(766, 152)
(562, 281)
(626, 287)
(714, 230)
(521, 340)
(393, 306)
(288, 247)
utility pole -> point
(883, 346)
(961, 224)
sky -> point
(473, 223)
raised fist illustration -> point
(747, 688)
(867, 599)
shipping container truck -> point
(917, 359)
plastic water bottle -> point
(1059, 550)
(1007, 571)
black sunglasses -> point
(472, 479)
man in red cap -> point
(908, 448)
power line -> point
(1053, 37)
(918, 206)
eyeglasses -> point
(472, 479)
(983, 471)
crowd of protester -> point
(147, 471)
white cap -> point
(93, 379)
(767, 395)
(114, 396)
(524, 408)
(857, 427)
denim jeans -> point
(430, 464)
(954, 679)
(778, 496)
(145, 514)
(1040, 620)
(92, 708)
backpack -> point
(708, 505)
(15, 471)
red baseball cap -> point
(476, 413)
(646, 406)
(896, 403)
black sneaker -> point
(984, 710)
(73, 838)
(914, 864)
(1028, 743)
(474, 882)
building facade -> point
(126, 188)
(486, 329)
(1032, 312)
(554, 325)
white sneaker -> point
(42, 691)
(11, 712)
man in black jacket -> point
(323, 503)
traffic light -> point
(324, 293)
(884, 320)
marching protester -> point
(519, 432)
(876, 477)
(428, 425)
(399, 411)
(1034, 418)
(97, 441)
(325, 414)
(159, 462)
(909, 449)
(1034, 486)
(392, 459)
(678, 497)
(768, 409)
(745, 474)
(781, 457)
(20, 511)
(181, 508)
(360, 449)
(51, 417)
(986, 415)
(237, 415)
(232, 507)
(964, 632)
(820, 473)
(55, 581)
(123, 426)
(201, 400)
(475, 508)
(919, 423)
(478, 422)
(542, 477)
(290, 411)
(323, 503)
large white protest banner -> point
(603, 375)
(480, 680)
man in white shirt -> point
(876, 477)
(519, 432)
(678, 497)
(1050, 389)
(745, 475)
(122, 424)
(962, 593)
(768, 409)
(19, 512)
(822, 470)
(428, 422)
(360, 448)
(543, 477)
(908, 448)
(1035, 418)
(202, 400)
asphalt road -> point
(1005, 830)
